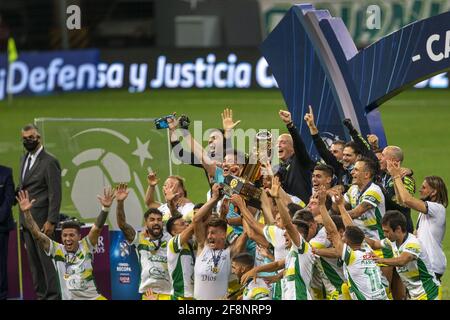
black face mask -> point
(30, 145)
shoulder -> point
(5, 171)
(435, 208)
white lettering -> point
(74, 20)
(159, 80)
(138, 77)
(114, 76)
(37, 79)
(263, 79)
(22, 69)
(66, 77)
(431, 54)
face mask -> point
(30, 145)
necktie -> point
(27, 167)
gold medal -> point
(215, 270)
(66, 276)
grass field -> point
(418, 121)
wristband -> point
(105, 209)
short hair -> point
(171, 221)
(370, 165)
(396, 152)
(354, 234)
(305, 215)
(217, 223)
(150, 211)
(338, 222)
(30, 126)
(293, 208)
(438, 184)
(302, 227)
(394, 219)
(71, 224)
(325, 168)
(180, 182)
(354, 146)
(245, 259)
(339, 142)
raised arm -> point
(321, 147)
(362, 144)
(152, 181)
(228, 124)
(25, 206)
(121, 195)
(254, 229)
(299, 146)
(284, 214)
(270, 267)
(106, 201)
(177, 148)
(403, 196)
(328, 223)
(202, 214)
(200, 153)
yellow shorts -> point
(100, 297)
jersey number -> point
(375, 281)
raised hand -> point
(285, 116)
(251, 274)
(276, 185)
(322, 195)
(152, 179)
(309, 118)
(227, 120)
(24, 201)
(107, 198)
(173, 122)
(337, 197)
(373, 140)
(215, 191)
(237, 200)
(393, 167)
(122, 192)
(171, 195)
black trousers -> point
(4, 236)
(42, 269)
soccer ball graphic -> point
(97, 168)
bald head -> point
(393, 153)
(285, 146)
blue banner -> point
(125, 269)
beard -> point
(155, 231)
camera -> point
(162, 123)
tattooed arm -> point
(25, 206)
(121, 195)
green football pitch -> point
(417, 120)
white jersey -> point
(186, 211)
(153, 260)
(180, 262)
(212, 274)
(257, 289)
(416, 275)
(298, 272)
(431, 233)
(275, 236)
(75, 272)
(362, 274)
(370, 221)
(329, 270)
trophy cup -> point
(249, 183)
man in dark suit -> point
(6, 224)
(41, 177)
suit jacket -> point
(6, 199)
(43, 183)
